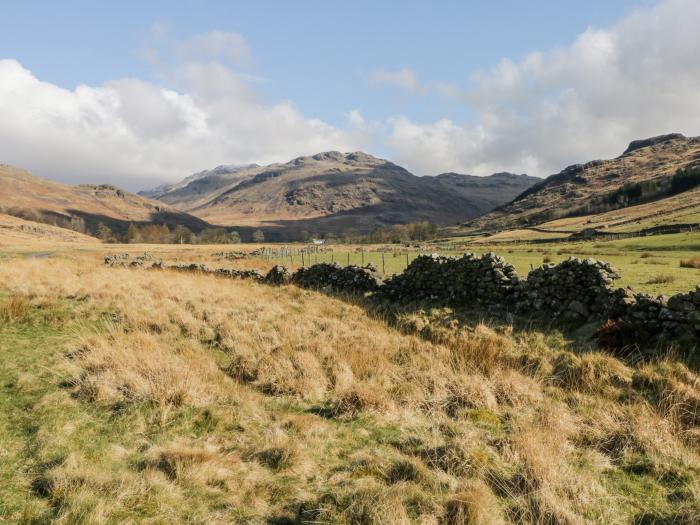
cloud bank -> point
(136, 134)
(637, 79)
(587, 100)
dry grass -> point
(693, 262)
(661, 279)
(193, 399)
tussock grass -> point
(191, 399)
(693, 262)
(661, 279)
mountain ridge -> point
(333, 191)
(643, 171)
(82, 207)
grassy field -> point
(648, 264)
(132, 396)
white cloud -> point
(403, 78)
(588, 100)
(215, 45)
(136, 134)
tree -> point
(234, 237)
(133, 234)
(182, 235)
(214, 236)
(421, 231)
(77, 224)
(258, 236)
(104, 233)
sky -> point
(141, 93)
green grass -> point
(659, 274)
(63, 458)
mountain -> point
(83, 206)
(644, 173)
(335, 191)
(224, 172)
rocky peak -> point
(643, 143)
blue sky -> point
(437, 86)
(317, 53)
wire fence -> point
(385, 262)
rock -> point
(579, 308)
(277, 276)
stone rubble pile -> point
(349, 279)
(488, 279)
(231, 256)
(117, 259)
(124, 259)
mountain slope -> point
(333, 191)
(643, 173)
(82, 207)
(14, 230)
(195, 182)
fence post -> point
(406, 259)
(383, 268)
(348, 258)
(362, 254)
(302, 259)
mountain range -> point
(654, 182)
(336, 192)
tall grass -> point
(188, 398)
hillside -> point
(82, 207)
(16, 231)
(640, 176)
(224, 401)
(197, 182)
(333, 191)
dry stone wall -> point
(349, 279)
(575, 290)
(488, 279)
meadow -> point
(648, 264)
(135, 396)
